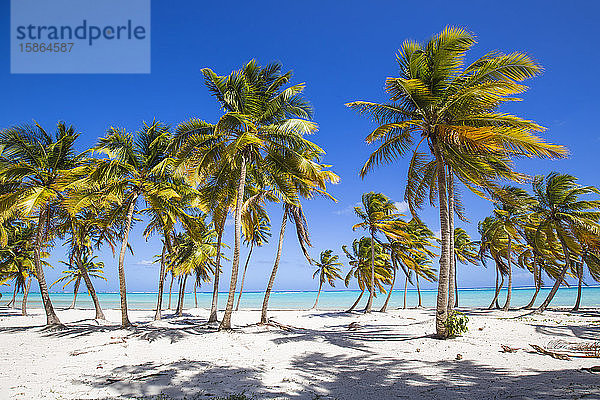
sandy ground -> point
(390, 356)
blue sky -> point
(343, 51)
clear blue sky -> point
(343, 51)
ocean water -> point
(329, 300)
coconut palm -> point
(563, 216)
(451, 109)
(360, 266)
(379, 215)
(465, 251)
(74, 274)
(138, 166)
(261, 118)
(256, 231)
(40, 166)
(328, 271)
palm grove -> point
(184, 183)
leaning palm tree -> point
(328, 271)
(379, 215)
(563, 216)
(40, 166)
(452, 111)
(466, 252)
(261, 118)
(256, 231)
(73, 273)
(138, 166)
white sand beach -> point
(387, 356)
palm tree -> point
(260, 119)
(466, 252)
(40, 166)
(360, 266)
(74, 273)
(378, 214)
(327, 270)
(562, 216)
(256, 233)
(452, 109)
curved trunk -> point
(75, 291)
(161, 281)
(215, 295)
(372, 283)
(451, 258)
(91, 290)
(536, 271)
(170, 290)
(441, 315)
(195, 295)
(318, 294)
(263, 313)
(498, 287)
(509, 291)
(558, 281)
(181, 299)
(579, 283)
(455, 284)
(237, 306)
(122, 288)
(226, 321)
(357, 301)
(51, 317)
(12, 303)
(405, 287)
(419, 291)
(387, 299)
(25, 294)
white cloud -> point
(347, 210)
(145, 262)
(402, 206)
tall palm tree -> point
(261, 118)
(452, 110)
(562, 216)
(256, 233)
(464, 251)
(41, 166)
(74, 273)
(328, 271)
(360, 266)
(138, 165)
(379, 215)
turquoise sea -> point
(329, 300)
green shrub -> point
(456, 324)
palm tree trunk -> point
(405, 287)
(75, 291)
(579, 283)
(535, 283)
(263, 314)
(195, 294)
(441, 316)
(356, 302)
(226, 321)
(455, 284)
(161, 281)
(387, 299)
(318, 294)
(51, 317)
(12, 303)
(496, 291)
(90, 288)
(215, 295)
(509, 291)
(170, 290)
(419, 291)
(452, 266)
(237, 306)
(372, 283)
(181, 299)
(558, 281)
(25, 294)
(122, 288)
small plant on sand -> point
(456, 324)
